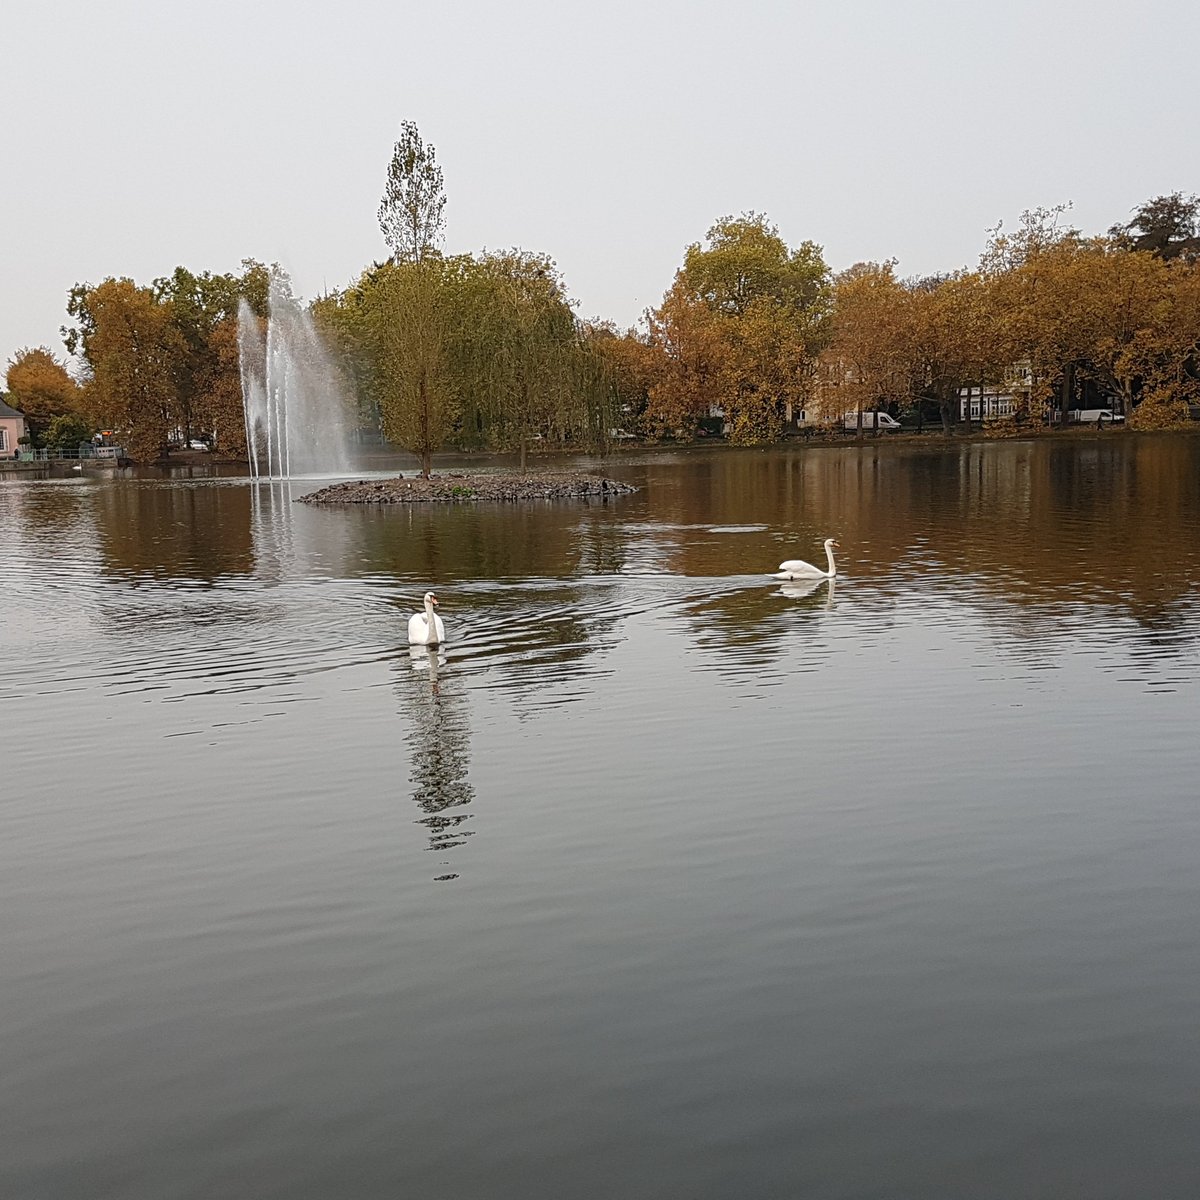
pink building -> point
(12, 430)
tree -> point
(865, 364)
(953, 340)
(408, 318)
(688, 352)
(410, 213)
(739, 329)
(133, 347)
(630, 364)
(527, 361)
(1162, 356)
(204, 309)
(39, 385)
(1167, 226)
(67, 431)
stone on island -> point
(557, 485)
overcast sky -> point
(137, 136)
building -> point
(12, 430)
(987, 403)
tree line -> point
(486, 351)
(1050, 316)
(159, 363)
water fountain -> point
(295, 412)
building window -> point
(3, 439)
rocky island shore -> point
(413, 489)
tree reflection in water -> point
(439, 742)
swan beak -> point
(435, 602)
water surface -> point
(664, 879)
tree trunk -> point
(1068, 394)
(522, 452)
(426, 450)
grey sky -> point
(136, 136)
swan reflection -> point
(439, 742)
(427, 658)
(799, 589)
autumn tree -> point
(864, 365)
(740, 328)
(688, 350)
(631, 365)
(204, 310)
(953, 340)
(1164, 355)
(40, 387)
(133, 348)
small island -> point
(458, 486)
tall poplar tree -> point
(416, 397)
(410, 213)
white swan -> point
(426, 628)
(797, 568)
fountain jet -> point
(293, 404)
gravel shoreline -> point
(542, 485)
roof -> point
(6, 411)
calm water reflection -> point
(663, 879)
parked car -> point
(870, 420)
(197, 444)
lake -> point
(664, 880)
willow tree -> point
(529, 370)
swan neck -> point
(832, 565)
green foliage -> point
(469, 351)
(67, 431)
(529, 371)
(1167, 226)
(746, 261)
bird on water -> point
(426, 628)
(797, 568)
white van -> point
(870, 420)
(1094, 416)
